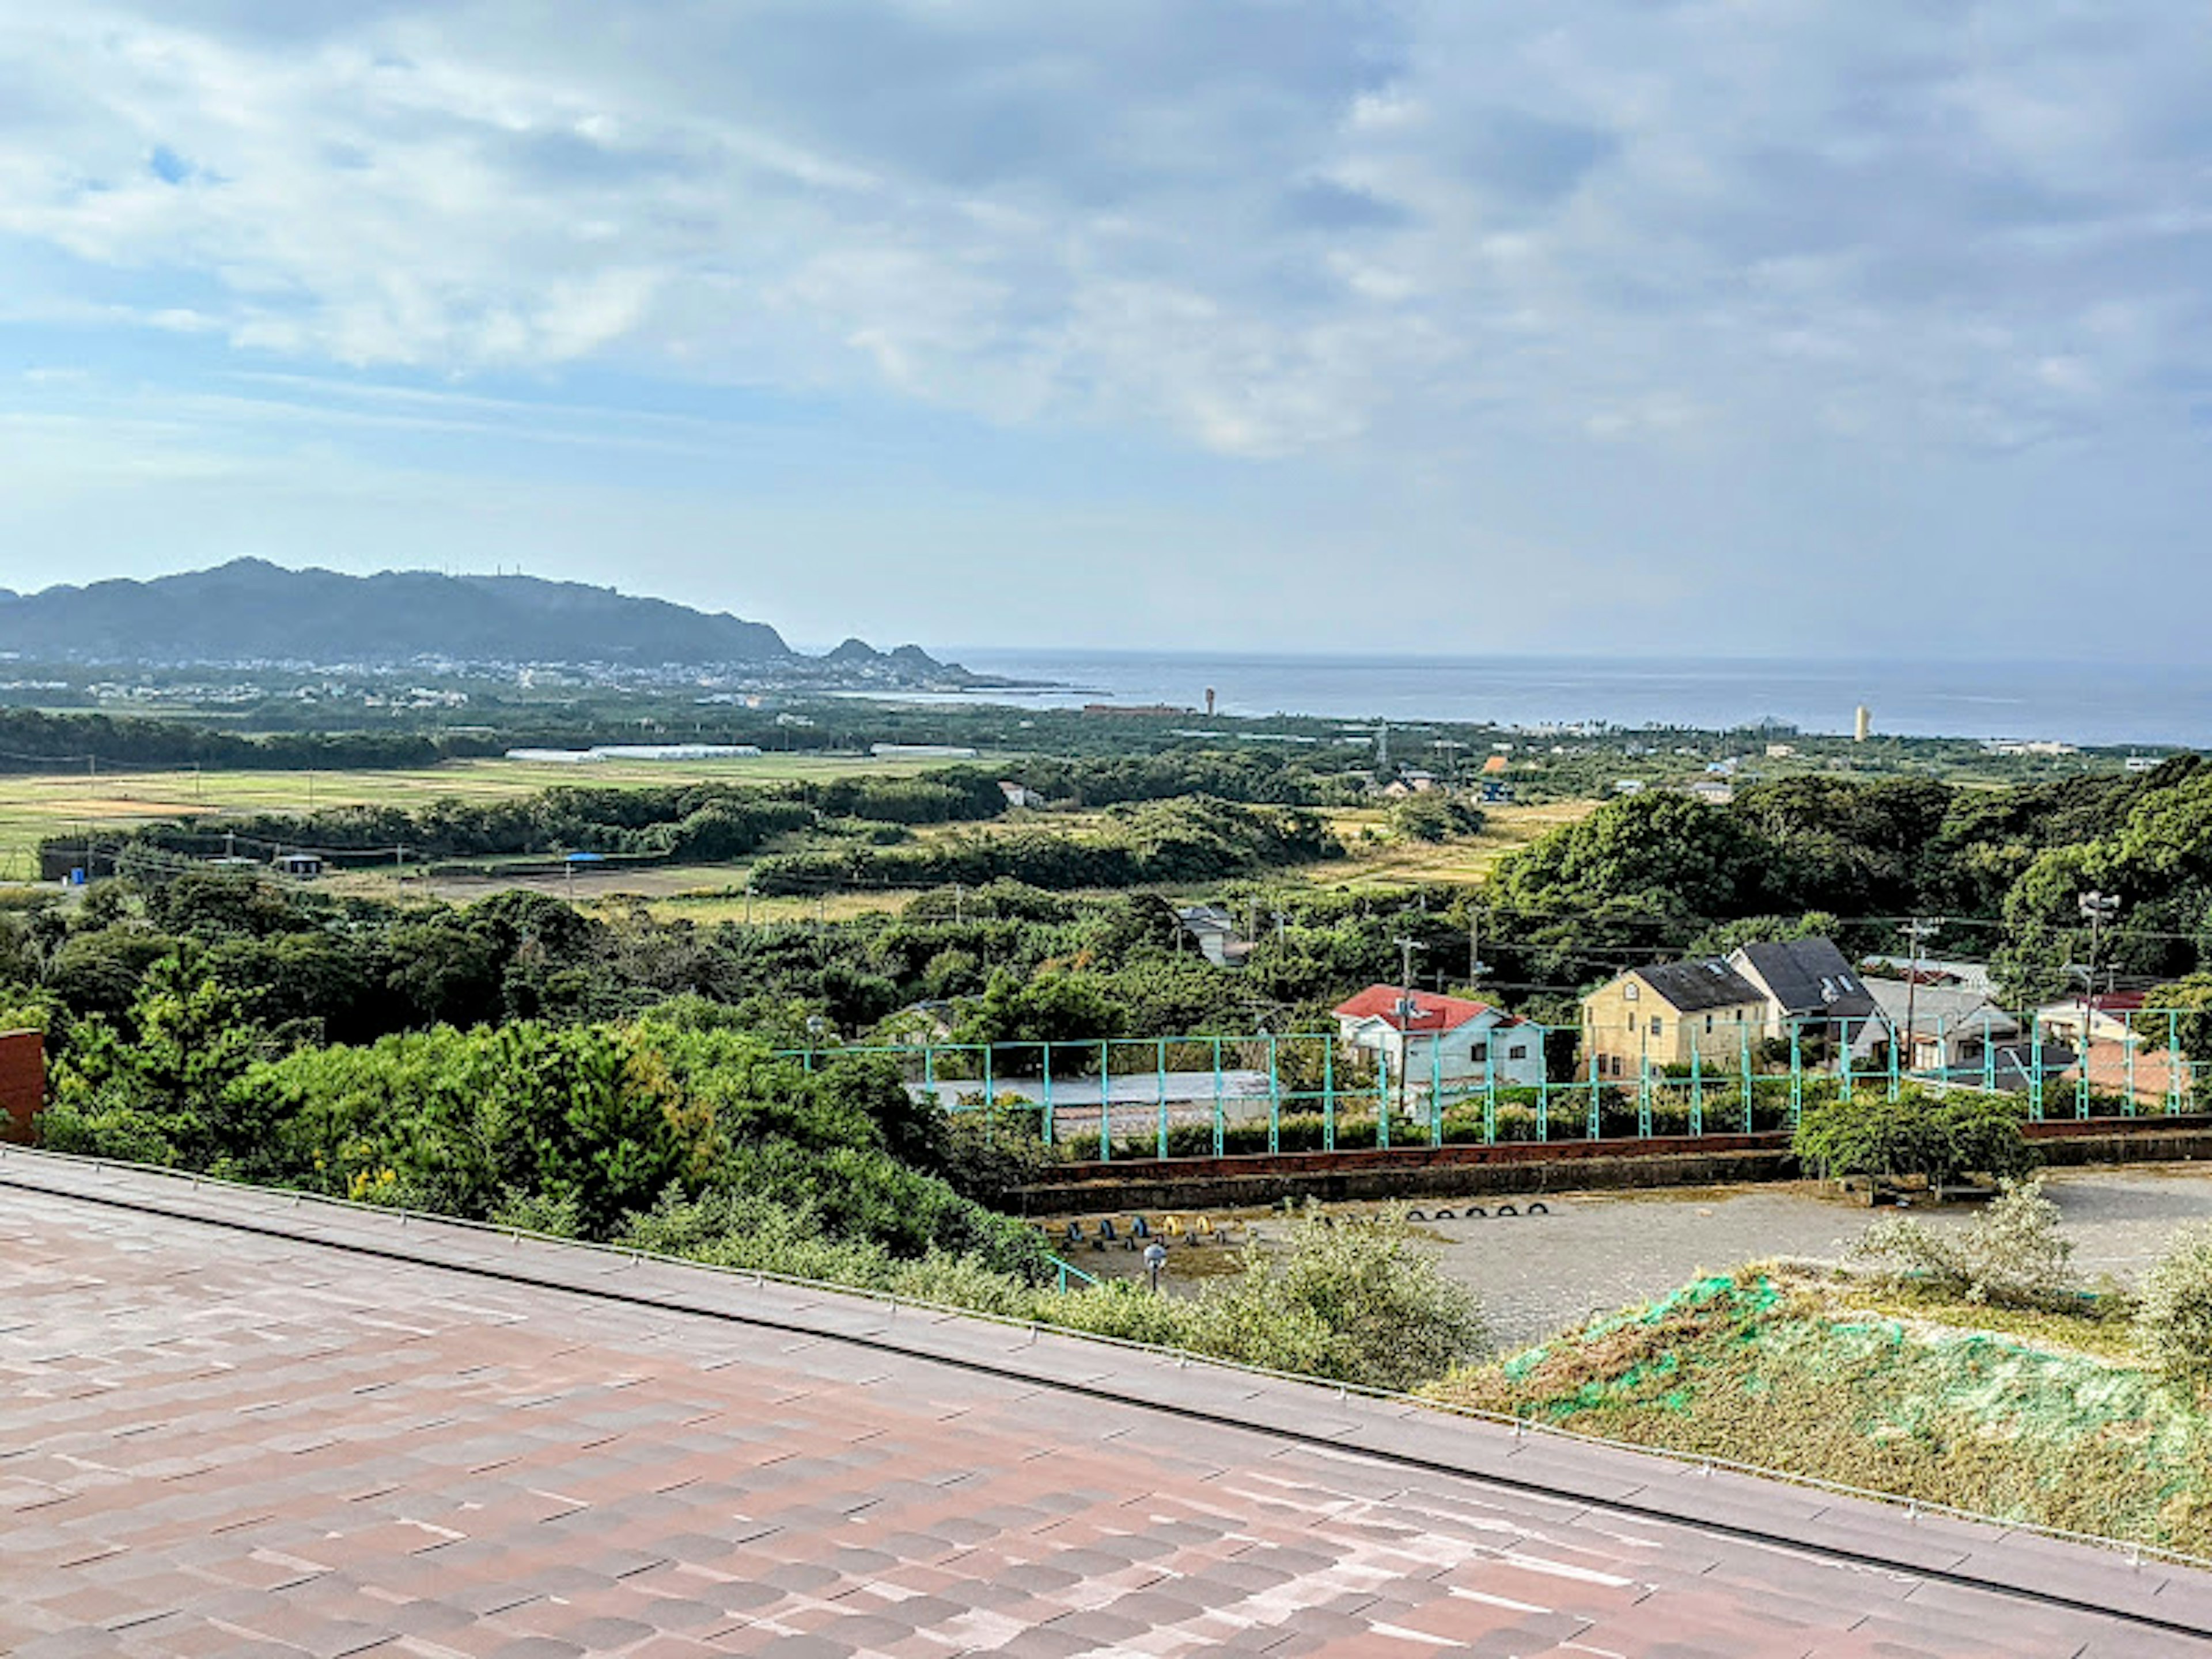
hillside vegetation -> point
(2054, 1425)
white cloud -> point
(1474, 258)
(1269, 240)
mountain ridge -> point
(251, 609)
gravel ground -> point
(1598, 1251)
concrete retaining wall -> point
(1255, 1180)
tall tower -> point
(1862, 724)
(1209, 702)
(1381, 748)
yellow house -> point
(1662, 1014)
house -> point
(301, 867)
(1216, 934)
(1019, 795)
(1953, 1027)
(1812, 991)
(1931, 971)
(1712, 791)
(2110, 1016)
(1425, 1038)
(1661, 1015)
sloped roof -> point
(377, 1426)
(1807, 977)
(1690, 986)
(1430, 1012)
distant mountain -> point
(250, 610)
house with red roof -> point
(1426, 1038)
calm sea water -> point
(2155, 706)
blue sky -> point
(1351, 324)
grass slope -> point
(1791, 1371)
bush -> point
(2174, 1320)
(1351, 1299)
(2011, 1255)
(1939, 1136)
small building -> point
(1019, 794)
(1662, 1015)
(1812, 991)
(1215, 930)
(1712, 791)
(1953, 1027)
(301, 867)
(1425, 1039)
(2109, 1018)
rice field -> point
(34, 805)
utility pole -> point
(1916, 930)
(2099, 908)
(1476, 967)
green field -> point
(34, 805)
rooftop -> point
(1430, 1012)
(239, 1424)
(1690, 986)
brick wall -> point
(22, 1082)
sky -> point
(1653, 326)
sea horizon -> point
(2087, 702)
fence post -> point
(1743, 1035)
(1846, 1090)
(1543, 1084)
(1105, 1105)
(1896, 1078)
(990, 1092)
(2089, 1047)
(1490, 1092)
(1217, 1140)
(1989, 1058)
(929, 1068)
(1328, 1093)
(1274, 1101)
(2173, 1062)
(2035, 1065)
(1596, 1124)
(1436, 1089)
(1046, 1046)
(1697, 1088)
(1644, 1096)
(1381, 1095)
(1796, 1075)
(1162, 1074)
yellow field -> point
(1389, 862)
(34, 805)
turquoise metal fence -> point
(1114, 1099)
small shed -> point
(301, 867)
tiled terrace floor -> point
(226, 1429)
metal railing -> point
(1210, 1096)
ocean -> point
(2155, 705)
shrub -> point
(1939, 1136)
(2174, 1320)
(1353, 1299)
(2012, 1254)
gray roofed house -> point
(1804, 979)
(1811, 988)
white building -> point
(1426, 1038)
